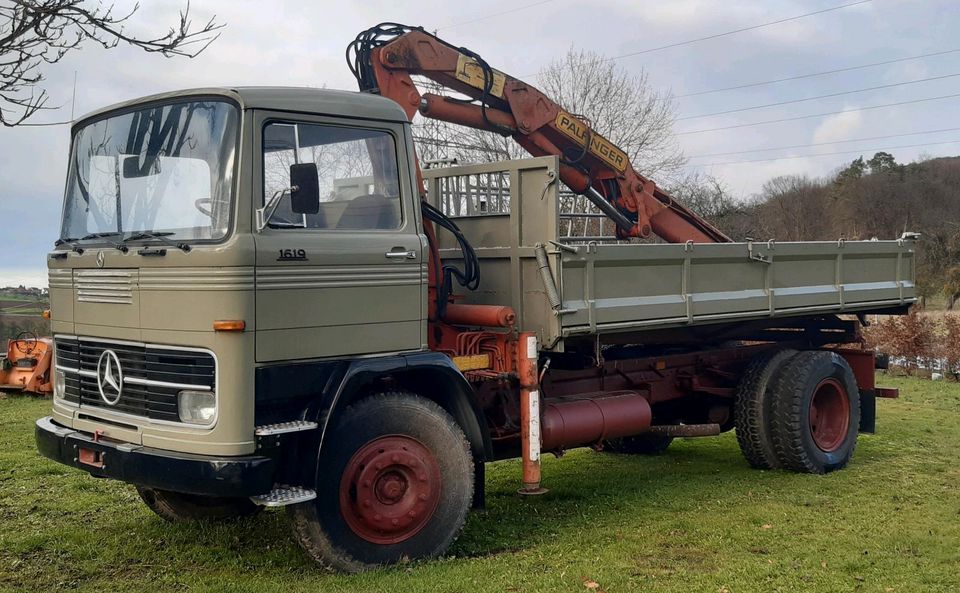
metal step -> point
(285, 427)
(283, 495)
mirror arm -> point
(265, 213)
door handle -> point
(411, 254)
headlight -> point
(197, 407)
(59, 384)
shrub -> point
(918, 341)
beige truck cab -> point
(187, 288)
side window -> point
(357, 169)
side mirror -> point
(305, 188)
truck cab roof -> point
(293, 99)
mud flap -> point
(868, 411)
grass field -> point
(696, 519)
(8, 298)
(10, 307)
(19, 305)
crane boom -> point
(386, 57)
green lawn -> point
(7, 296)
(696, 519)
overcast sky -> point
(292, 42)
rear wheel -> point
(397, 485)
(816, 413)
(752, 409)
(642, 444)
(177, 507)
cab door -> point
(349, 279)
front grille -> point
(153, 375)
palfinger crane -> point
(384, 59)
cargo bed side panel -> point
(615, 288)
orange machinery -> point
(384, 59)
(26, 366)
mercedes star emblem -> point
(109, 377)
(99, 259)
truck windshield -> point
(165, 170)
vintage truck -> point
(253, 305)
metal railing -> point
(481, 190)
(474, 194)
(580, 221)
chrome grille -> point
(152, 375)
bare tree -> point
(34, 33)
(619, 105)
(794, 209)
(706, 195)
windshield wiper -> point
(103, 235)
(160, 236)
(99, 235)
(69, 242)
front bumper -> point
(248, 475)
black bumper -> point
(168, 470)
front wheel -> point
(396, 483)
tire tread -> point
(752, 408)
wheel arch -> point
(435, 377)
(429, 374)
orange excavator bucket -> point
(26, 365)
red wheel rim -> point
(390, 489)
(829, 415)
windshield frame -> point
(139, 106)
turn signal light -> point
(45, 314)
(229, 325)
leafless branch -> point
(34, 33)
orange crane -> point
(385, 57)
